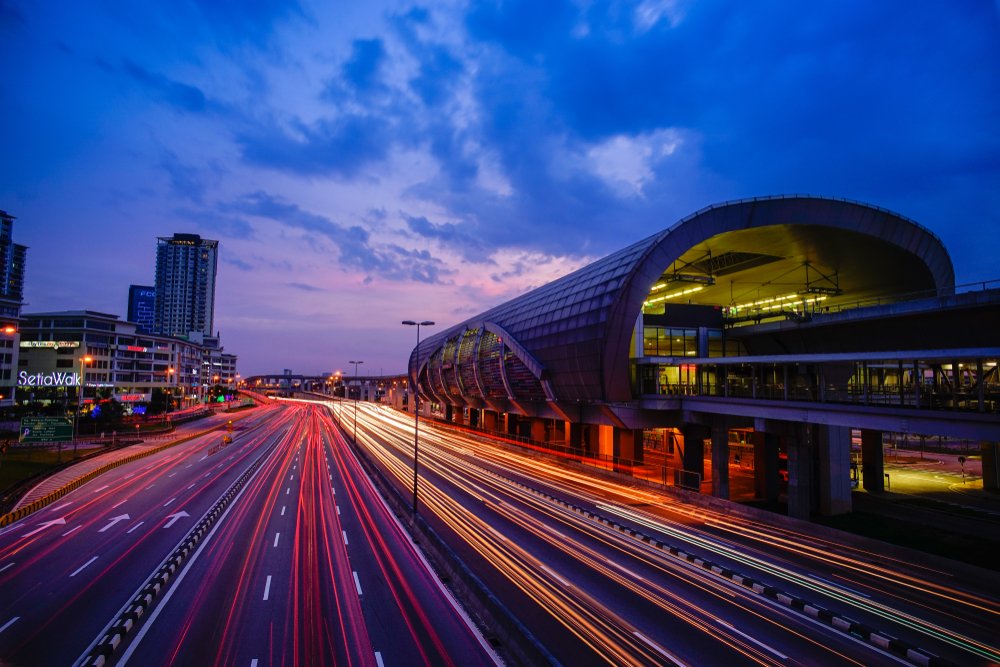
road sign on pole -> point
(45, 429)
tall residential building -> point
(12, 256)
(141, 306)
(186, 266)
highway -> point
(305, 565)
(610, 573)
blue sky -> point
(365, 163)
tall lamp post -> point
(79, 400)
(416, 407)
(170, 389)
(356, 400)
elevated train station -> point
(752, 335)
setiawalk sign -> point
(57, 379)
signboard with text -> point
(55, 379)
(45, 429)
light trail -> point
(388, 437)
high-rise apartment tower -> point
(186, 265)
(141, 306)
(12, 256)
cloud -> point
(356, 250)
(342, 147)
(181, 96)
(626, 163)
(449, 235)
(186, 182)
(238, 263)
(439, 71)
(240, 23)
(217, 223)
(363, 70)
(306, 288)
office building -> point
(186, 267)
(141, 306)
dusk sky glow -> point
(367, 163)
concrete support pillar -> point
(991, 466)
(559, 428)
(873, 470)
(474, 418)
(591, 439)
(628, 445)
(605, 441)
(575, 436)
(511, 423)
(833, 452)
(458, 415)
(539, 430)
(449, 412)
(490, 420)
(720, 461)
(767, 476)
(800, 464)
(693, 454)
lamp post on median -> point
(416, 407)
(356, 400)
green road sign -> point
(46, 429)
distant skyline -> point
(367, 163)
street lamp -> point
(79, 401)
(356, 400)
(416, 407)
(170, 394)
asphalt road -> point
(587, 564)
(291, 573)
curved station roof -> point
(569, 340)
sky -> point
(363, 163)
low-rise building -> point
(65, 349)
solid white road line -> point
(80, 569)
(267, 587)
(135, 526)
(9, 623)
(755, 641)
(659, 649)
(357, 582)
(276, 536)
